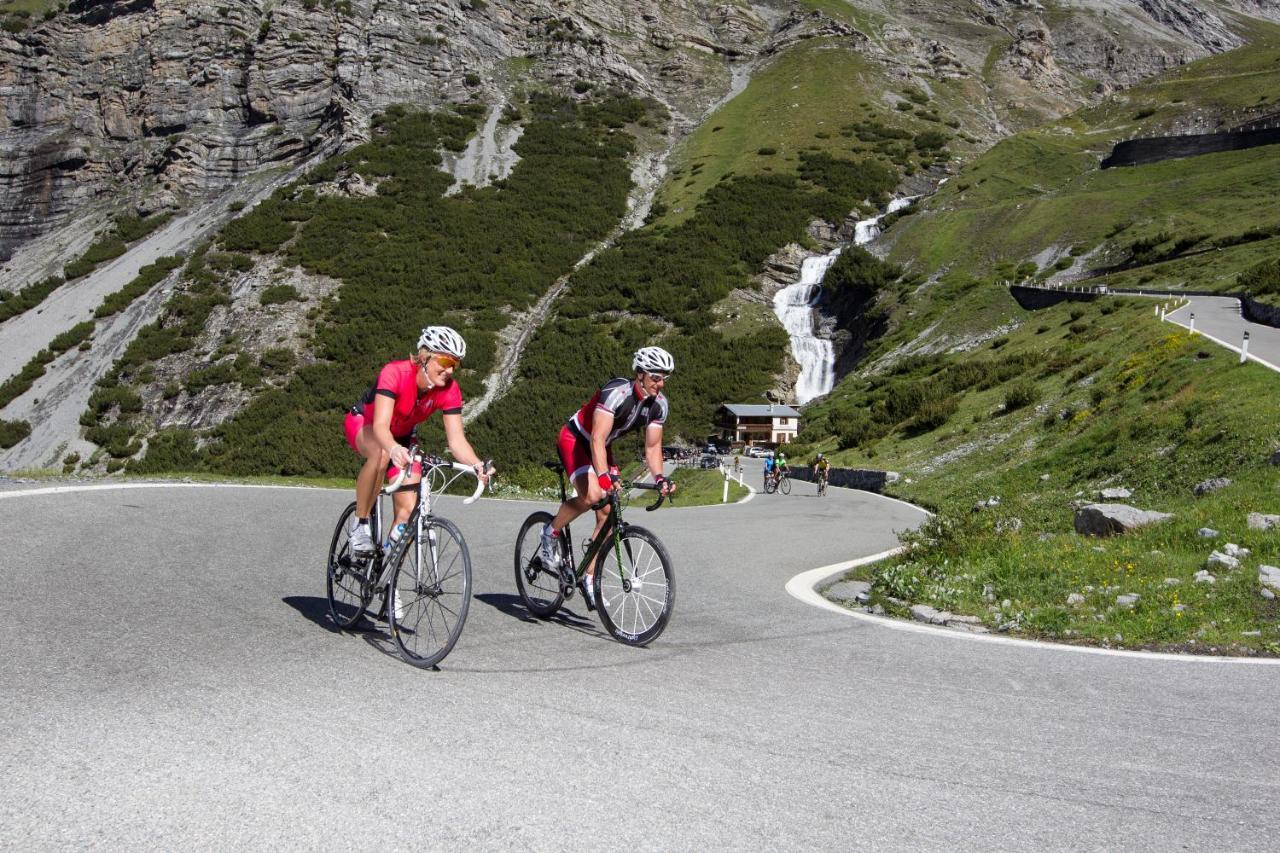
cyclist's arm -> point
(653, 449)
(383, 406)
(601, 426)
(459, 446)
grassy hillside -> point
(970, 397)
(819, 97)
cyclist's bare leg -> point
(369, 480)
(588, 491)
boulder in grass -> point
(1269, 576)
(1115, 494)
(1211, 485)
(1203, 576)
(1206, 533)
(1275, 458)
(1110, 519)
(1128, 599)
(1258, 521)
(1219, 560)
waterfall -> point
(795, 303)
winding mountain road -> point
(170, 680)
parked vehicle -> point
(709, 460)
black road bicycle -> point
(777, 482)
(424, 576)
(822, 485)
(634, 586)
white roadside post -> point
(724, 499)
(1244, 348)
(1192, 327)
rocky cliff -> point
(159, 102)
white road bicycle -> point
(424, 576)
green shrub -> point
(72, 337)
(11, 432)
(932, 414)
(13, 303)
(1022, 394)
(278, 360)
(277, 294)
(1260, 279)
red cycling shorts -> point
(575, 455)
(353, 423)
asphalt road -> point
(1219, 317)
(169, 680)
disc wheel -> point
(539, 587)
(784, 485)
(635, 587)
(430, 592)
(346, 578)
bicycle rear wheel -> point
(635, 587)
(539, 587)
(346, 578)
(430, 592)
(784, 485)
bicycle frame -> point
(432, 467)
(614, 528)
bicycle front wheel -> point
(784, 485)
(539, 587)
(430, 592)
(346, 578)
(635, 587)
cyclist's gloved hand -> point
(400, 455)
(665, 485)
(608, 481)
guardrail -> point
(1033, 296)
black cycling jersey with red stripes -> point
(631, 411)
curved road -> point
(169, 680)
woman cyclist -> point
(380, 425)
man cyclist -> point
(768, 469)
(621, 406)
(381, 424)
(821, 468)
(780, 464)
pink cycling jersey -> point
(399, 381)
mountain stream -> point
(795, 303)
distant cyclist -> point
(780, 464)
(821, 468)
(621, 406)
(381, 423)
(768, 469)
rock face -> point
(166, 100)
(1110, 519)
(163, 101)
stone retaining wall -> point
(846, 478)
(1153, 149)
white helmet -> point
(442, 339)
(654, 360)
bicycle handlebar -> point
(416, 455)
(654, 487)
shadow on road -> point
(315, 609)
(511, 605)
